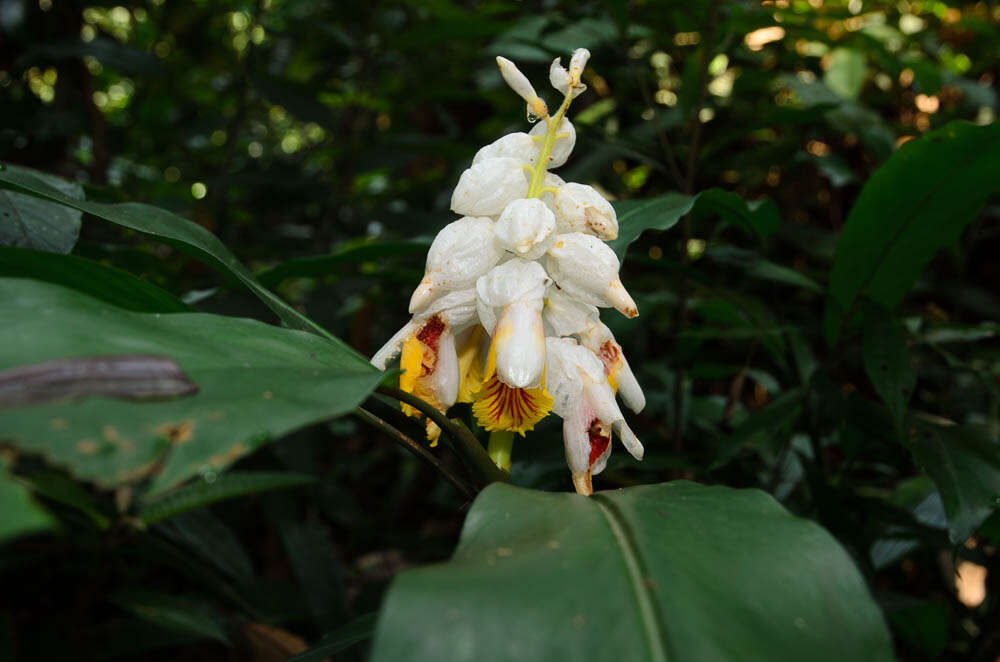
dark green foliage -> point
(239, 196)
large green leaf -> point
(662, 213)
(887, 361)
(964, 463)
(257, 382)
(914, 205)
(676, 571)
(29, 222)
(117, 287)
(21, 514)
(178, 231)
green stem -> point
(500, 445)
(542, 164)
(415, 448)
(465, 443)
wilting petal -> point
(519, 146)
(578, 62)
(488, 186)
(559, 77)
(526, 228)
(581, 208)
(565, 141)
(587, 269)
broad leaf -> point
(676, 571)
(117, 287)
(172, 612)
(180, 232)
(964, 463)
(322, 265)
(219, 488)
(257, 382)
(913, 206)
(358, 630)
(887, 361)
(21, 514)
(28, 222)
(663, 212)
(846, 73)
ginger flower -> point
(506, 316)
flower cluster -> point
(506, 315)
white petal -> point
(576, 440)
(445, 377)
(578, 61)
(562, 377)
(552, 180)
(391, 349)
(514, 280)
(629, 389)
(519, 343)
(518, 146)
(526, 228)
(461, 252)
(595, 339)
(563, 147)
(559, 77)
(629, 440)
(566, 316)
(602, 399)
(580, 208)
(488, 186)
(516, 80)
(457, 309)
(587, 269)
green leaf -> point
(964, 463)
(322, 265)
(180, 232)
(887, 361)
(211, 488)
(758, 218)
(755, 266)
(172, 612)
(914, 205)
(21, 515)
(676, 571)
(114, 286)
(63, 490)
(846, 73)
(28, 222)
(358, 630)
(257, 382)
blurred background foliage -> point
(321, 141)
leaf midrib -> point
(656, 636)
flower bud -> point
(526, 228)
(514, 280)
(461, 252)
(587, 269)
(580, 208)
(559, 77)
(518, 146)
(566, 316)
(578, 62)
(565, 141)
(522, 86)
(487, 187)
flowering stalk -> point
(506, 315)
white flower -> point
(578, 62)
(522, 86)
(461, 252)
(565, 141)
(587, 270)
(559, 77)
(518, 146)
(564, 80)
(488, 186)
(580, 208)
(564, 316)
(583, 398)
(526, 228)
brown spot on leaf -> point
(177, 433)
(58, 424)
(87, 446)
(215, 415)
(235, 452)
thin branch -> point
(466, 442)
(417, 449)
